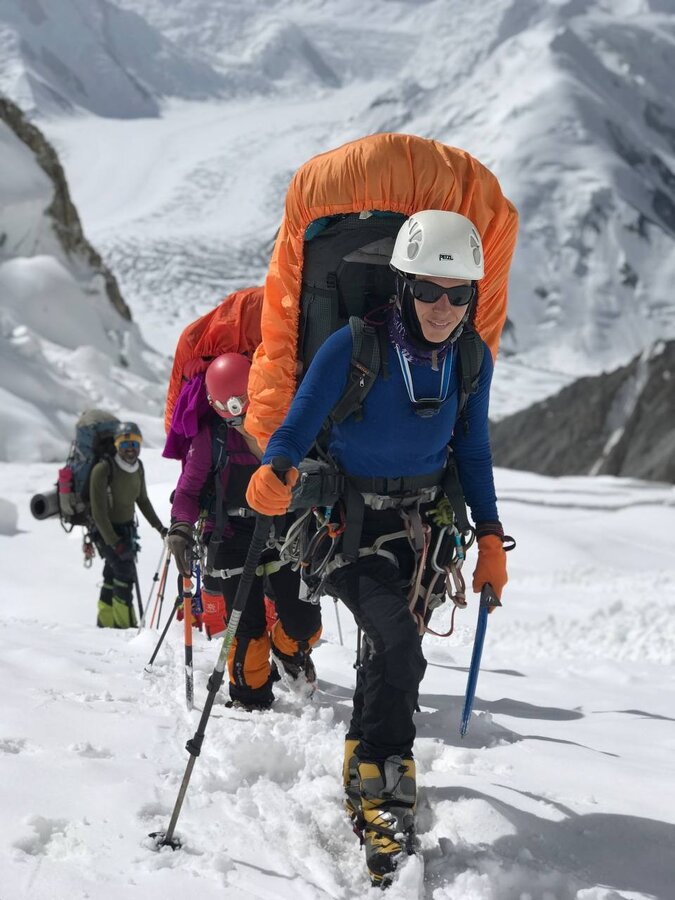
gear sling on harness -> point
(326, 492)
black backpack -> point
(345, 276)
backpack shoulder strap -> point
(219, 459)
(364, 368)
(471, 349)
(219, 447)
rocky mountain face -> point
(619, 423)
(64, 218)
(67, 341)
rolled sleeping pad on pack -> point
(44, 506)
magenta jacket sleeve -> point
(193, 478)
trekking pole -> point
(162, 588)
(194, 745)
(186, 595)
(163, 634)
(138, 594)
(155, 582)
(159, 599)
(488, 600)
(339, 626)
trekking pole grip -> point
(280, 466)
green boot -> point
(388, 794)
(105, 618)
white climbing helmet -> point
(440, 244)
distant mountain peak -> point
(92, 55)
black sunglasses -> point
(430, 292)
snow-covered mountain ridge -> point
(63, 55)
(66, 339)
(570, 105)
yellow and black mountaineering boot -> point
(388, 793)
(350, 781)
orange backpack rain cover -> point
(232, 327)
(388, 172)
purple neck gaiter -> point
(412, 351)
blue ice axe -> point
(488, 600)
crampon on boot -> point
(295, 668)
(250, 705)
(386, 819)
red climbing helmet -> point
(227, 384)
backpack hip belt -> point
(405, 486)
(268, 568)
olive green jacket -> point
(113, 494)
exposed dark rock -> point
(65, 219)
(618, 423)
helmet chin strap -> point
(460, 326)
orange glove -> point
(268, 495)
(491, 565)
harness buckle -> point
(391, 501)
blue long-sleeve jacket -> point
(391, 440)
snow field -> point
(562, 789)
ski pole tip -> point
(160, 839)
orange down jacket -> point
(393, 172)
(232, 327)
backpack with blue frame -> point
(94, 441)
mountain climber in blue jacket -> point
(395, 457)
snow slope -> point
(63, 345)
(564, 788)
